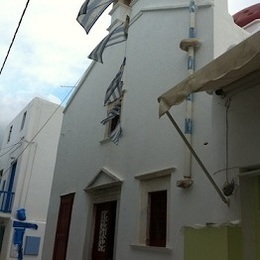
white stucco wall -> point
(35, 166)
(154, 64)
(243, 128)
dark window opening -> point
(10, 132)
(157, 218)
(114, 123)
(23, 120)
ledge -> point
(105, 140)
(155, 174)
(163, 8)
(185, 44)
(151, 248)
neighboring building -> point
(27, 160)
(133, 200)
(249, 18)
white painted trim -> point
(152, 248)
(155, 174)
(113, 181)
(151, 183)
(164, 8)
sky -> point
(50, 51)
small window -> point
(115, 120)
(157, 218)
(112, 121)
(23, 120)
(154, 208)
(10, 133)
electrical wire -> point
(227, 105)
(11, 147)
(225, 169)
(7, 147)
(3, 65)
(12, 42)
(38, 132)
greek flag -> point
(118, 35)
(90, 11)
(115, 135)
(114, 90)
(115, 111)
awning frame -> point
(239, 64)
(235, 64)
(197, 158)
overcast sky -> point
(50, 50)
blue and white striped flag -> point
(115, 135)
(114, 91)
(118, 35)
(90, 11)
(117, 131)
(115, 111)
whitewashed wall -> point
(35, 167)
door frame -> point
(94, 197)
(69, 196)
(99, 207)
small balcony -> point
(6, 201)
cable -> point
(225, 169)
(11, 147)
(19, 23)
(227, 105)
(37, 133)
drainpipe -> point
(189, 45)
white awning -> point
(235, 64)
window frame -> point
(153, 182)
(108, 126)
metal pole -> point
(197, 158)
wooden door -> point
(63, 225)
(104, 231)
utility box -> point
(214, 243)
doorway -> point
(63, 225)
(104, 231)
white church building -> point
(126, 186)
